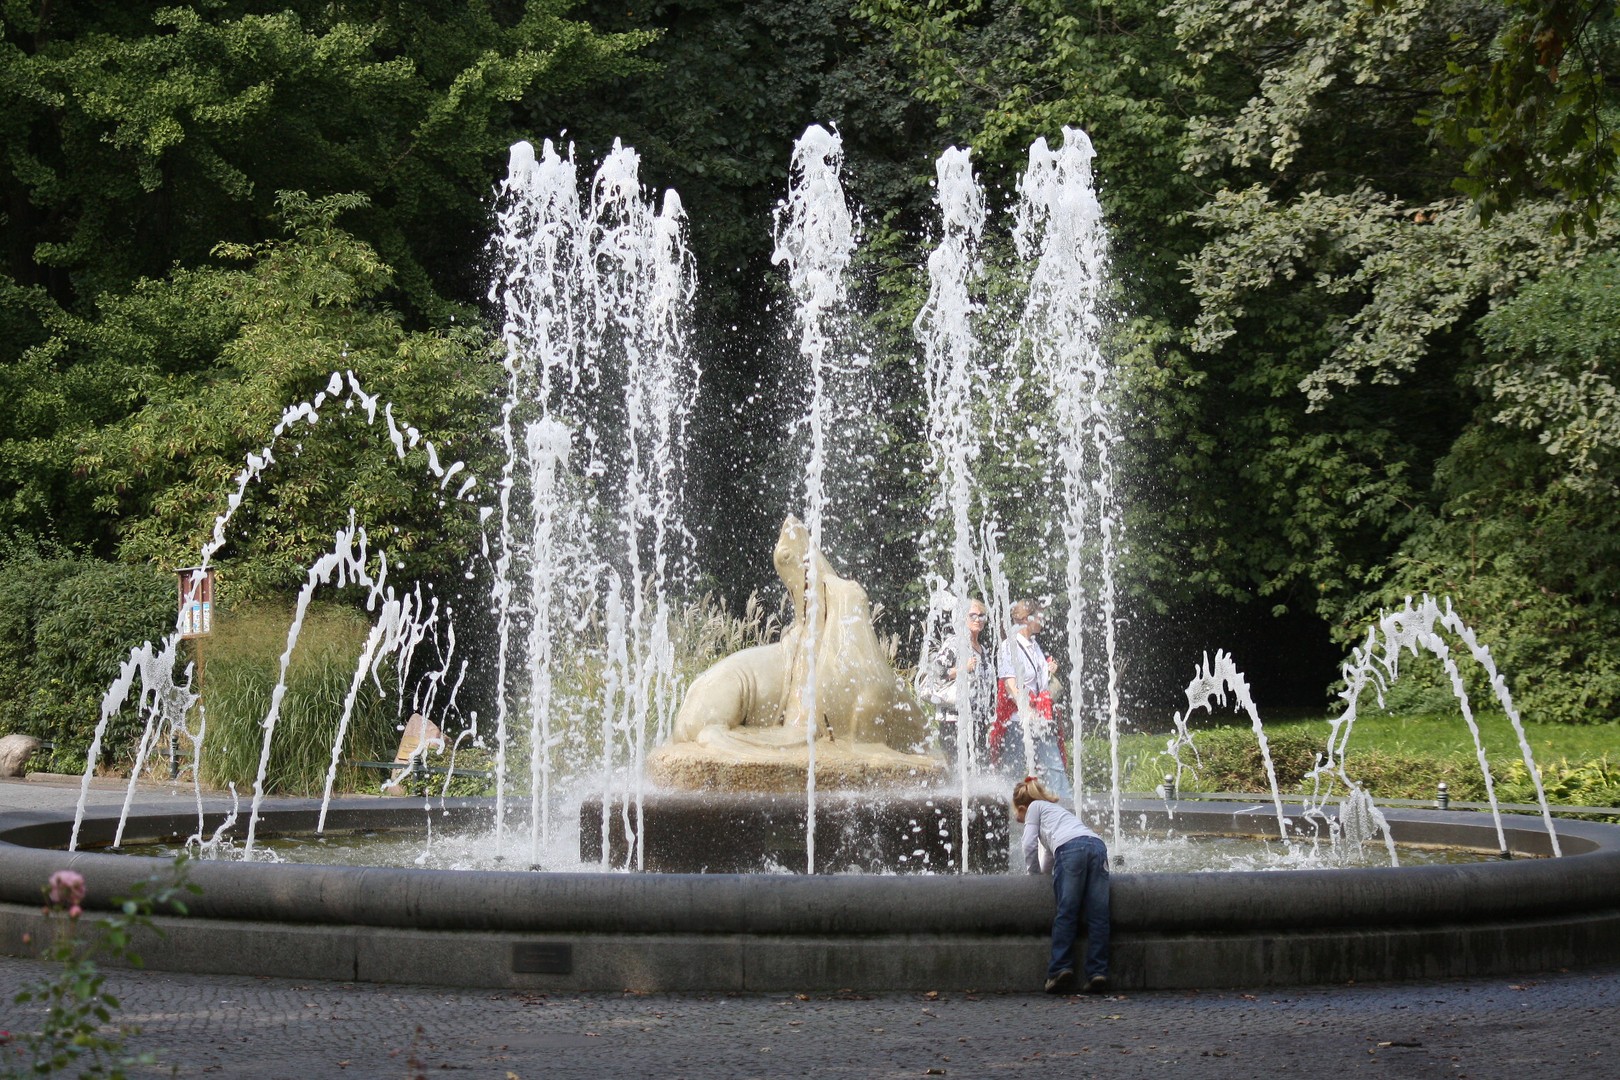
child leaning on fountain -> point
(1079, 862)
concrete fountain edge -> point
(740, 933)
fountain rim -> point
(1585, 879)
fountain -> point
(802, 753)
(744, 755)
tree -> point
(1417, 306)
(1533, 111)
(1210, 502)
(140, 136)
(264, 337)
(732, 84)
(147, 150)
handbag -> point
(937, 691)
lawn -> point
(1393, 756)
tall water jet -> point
(815, 240)
(644, 284)
(1059, 225)
(540, 248)
(597, 297)
(952, 381)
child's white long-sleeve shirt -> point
(1047, 827)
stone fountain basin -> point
(734, 933)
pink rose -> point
(67, 890)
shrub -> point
(469, 760)
(67, 621)
(704, 631)
(1529, 562)
(1580, 783)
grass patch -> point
(1394, 756)
(242, 666)
(243, 660)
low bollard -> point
(1442, 797)
(1169, 787)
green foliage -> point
(1529, 564)
(154, 327)
(999, 75)
(1341, 381)
(1394, 755)
(1443, 733)
(1552, 366)
(1533, 111)
(162, 462)
(1390, 279)
(241, 666)
(1336, 270)
(728, 86)
(1142, 762)
(1002, 74)
(1594, 782)
(67, 622)
(1232, 486)
(140, 138)
(460, 784)
(1525, 541)
(1317, 92)
(1229, 759)
(76, 1031)
(732, 84)
(467, 760)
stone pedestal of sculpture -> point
(753, 832)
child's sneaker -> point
(1061, 983)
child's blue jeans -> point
(1080, 884)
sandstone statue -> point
(745, 723)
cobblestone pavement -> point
(1558, 1025)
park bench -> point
(408, 762)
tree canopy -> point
(1363, 310)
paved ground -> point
(53, 791)
(1542, 1027)
(1554, 1026)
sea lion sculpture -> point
(744, 721)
